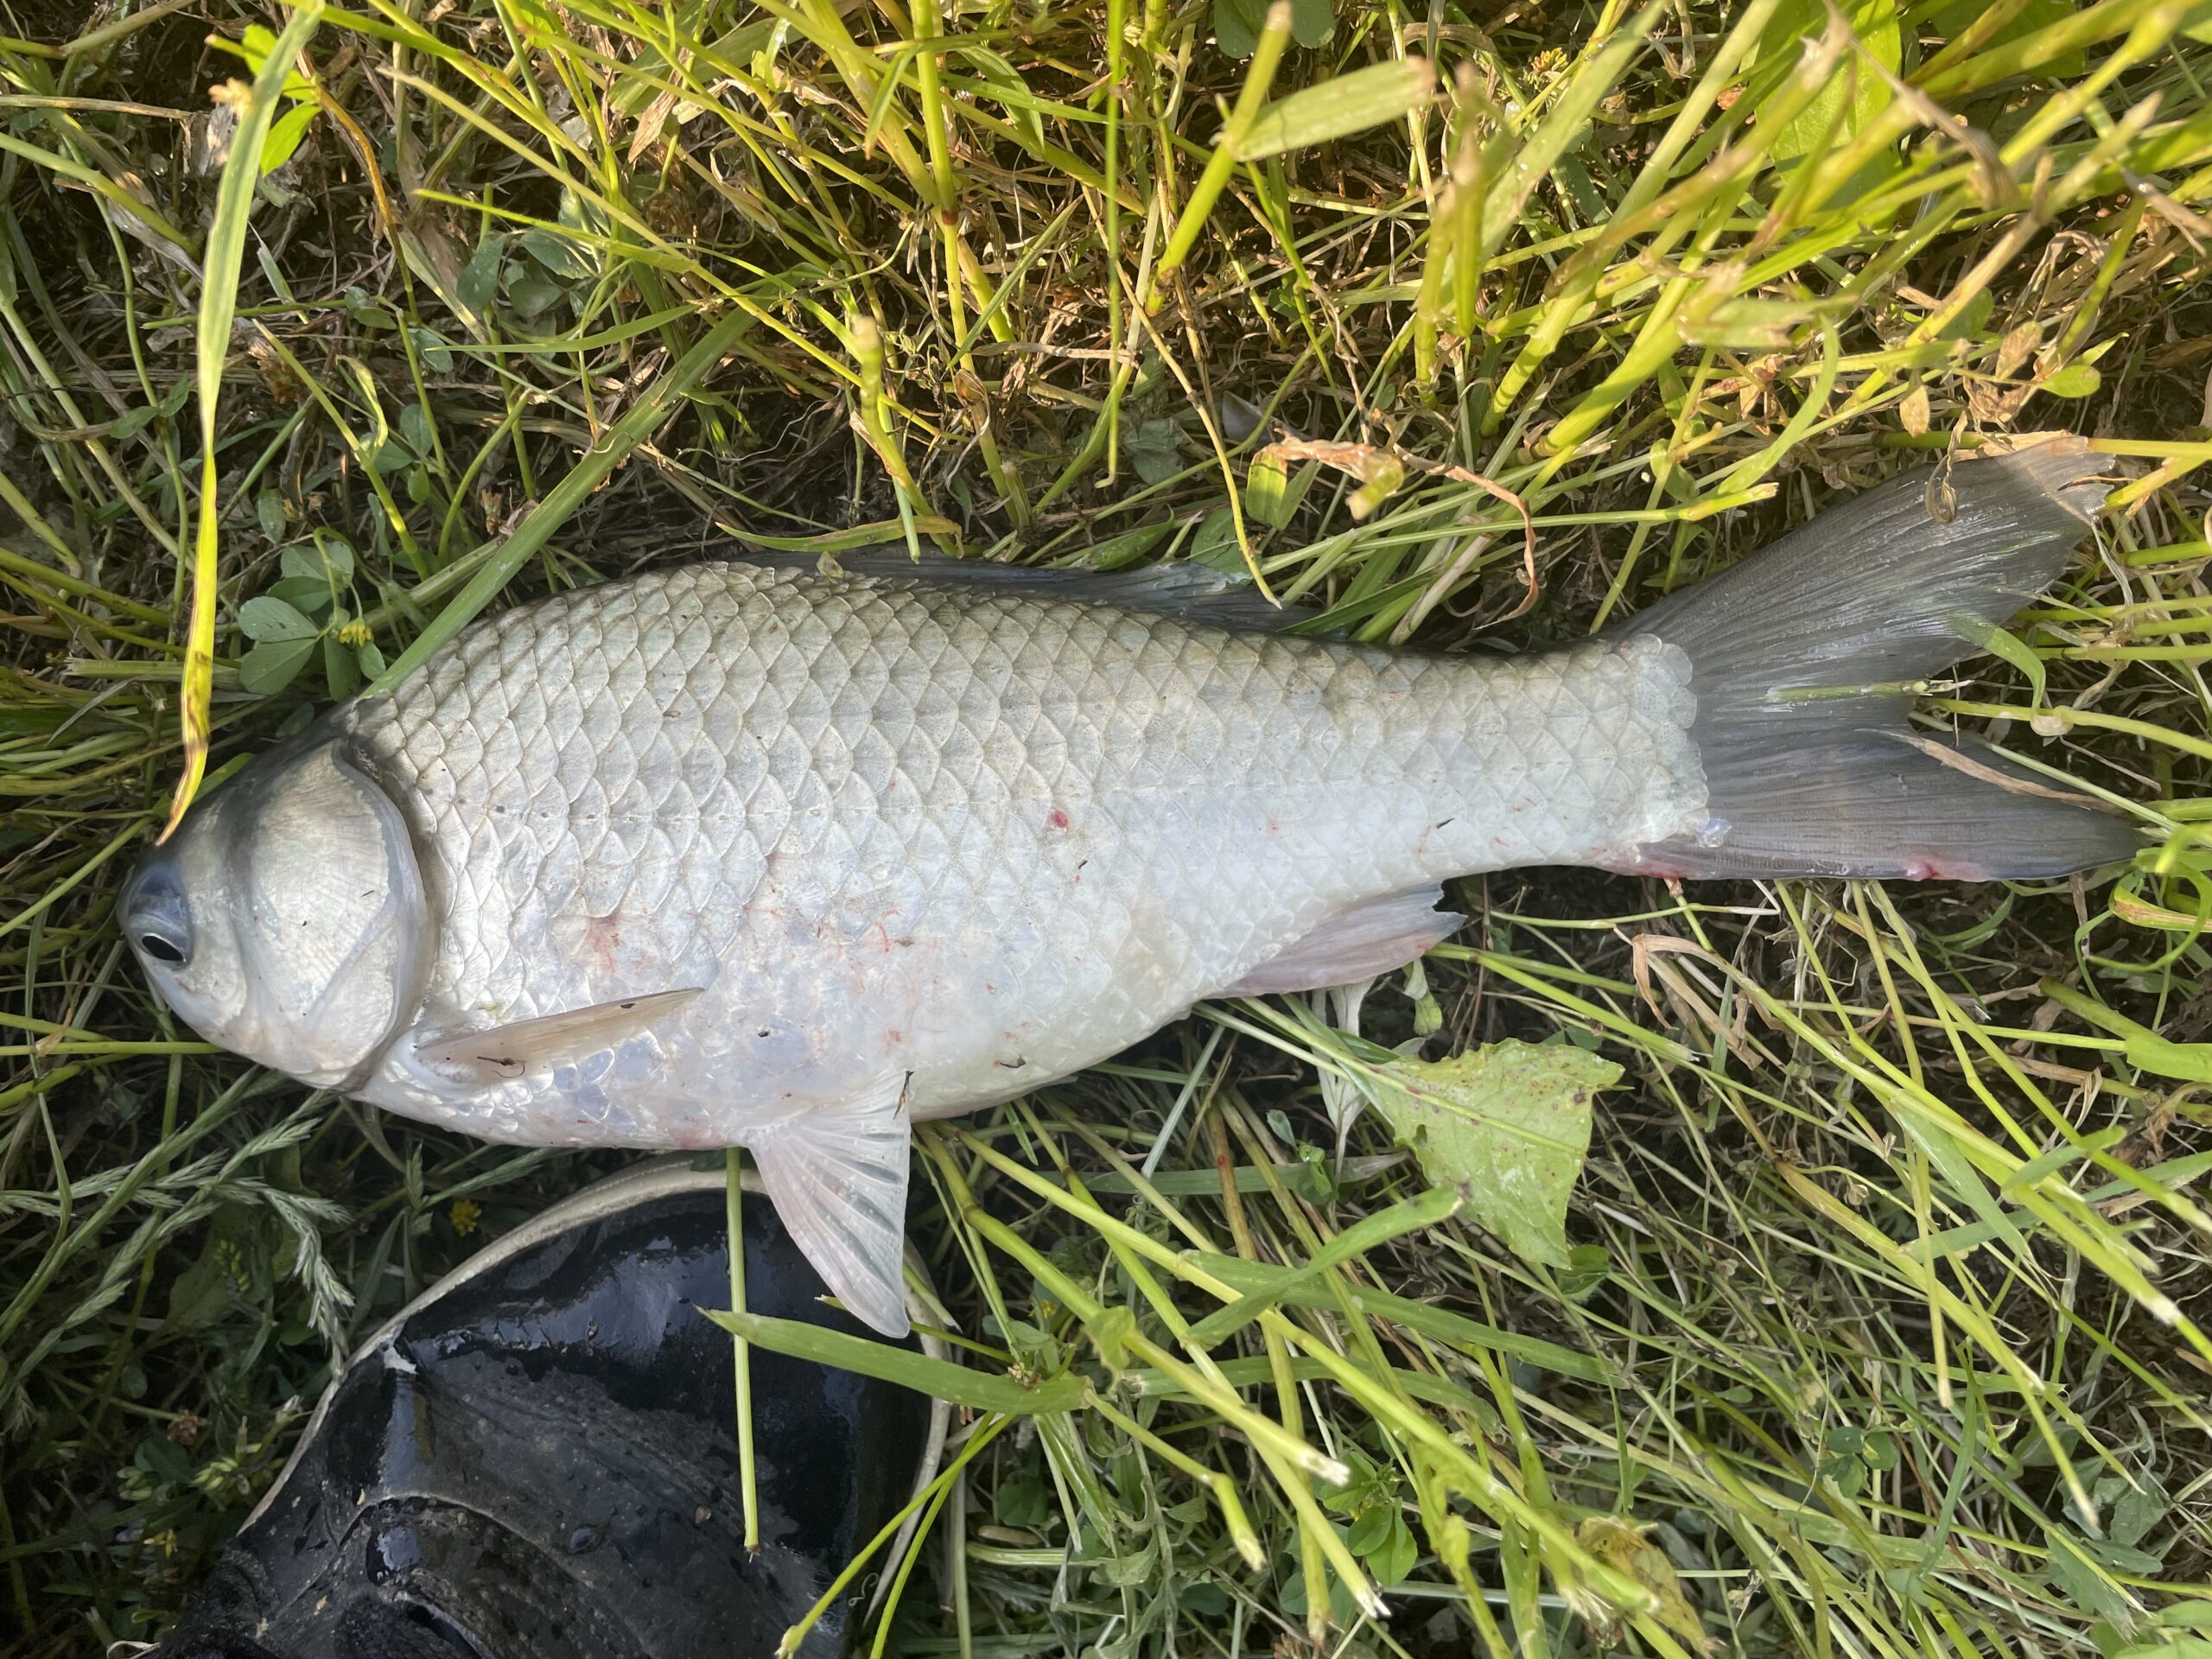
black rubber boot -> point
(539, 1457)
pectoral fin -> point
(501, 1053)
(1356, 942)
(838, 1175)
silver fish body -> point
(745, 853)
(979, 840)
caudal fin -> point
(1801, 658)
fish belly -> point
(889, 826)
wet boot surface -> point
(540, 1457)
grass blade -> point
(223, 260)
(977, 1390)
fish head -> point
(285, 919)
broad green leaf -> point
(1151, 450)
(1385, 1545)
(327, 558)
(1370, 1530)
(1236, 25)
(202, 1292)
(532, 295)
(480, 279)
(274, 664)
(255, 47)
(556, 253)
(2123, 1557)
(340, 672)
(1973, 317)
(266, 617)
(1507, 1128)
(1213, 544)
(1998, 642)
(132, 421)
(2082, 1584)
(284, 137)
(1588, 1266)
(1267, 492)
(2136, 1511)
(437, 353)
(1311, 21)
(1875, 23)
(159, 1456)
(2074, 380)
(1021, 1502)
(1372, 96)
(310, 595)
(1954, 20)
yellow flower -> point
(464, 1214)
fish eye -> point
(155, 913)
(162, 950)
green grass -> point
(1884, 1331)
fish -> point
(748, 852)
(536, 1459)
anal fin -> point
(1358, 942)
(838, 1175)
(501, 1053)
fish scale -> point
(750, 854)
(986, 840)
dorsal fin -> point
(1185, 590)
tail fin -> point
(1801, 658)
